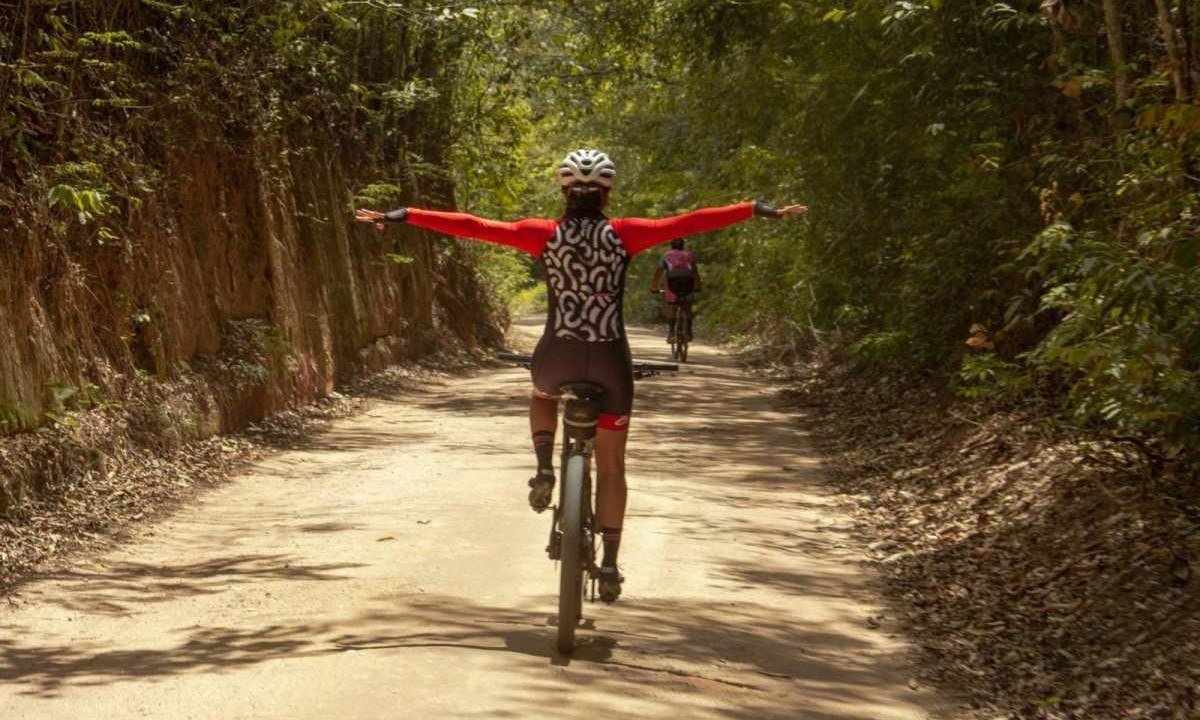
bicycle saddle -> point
(583, 409)
(582, 390)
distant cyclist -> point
(585, 255)
(682, 273)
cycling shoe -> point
(610, 583)
(541, 489)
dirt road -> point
(392, 569)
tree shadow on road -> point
(633, 650)
(118, 587)
(636, 650)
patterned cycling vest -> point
(585, 275)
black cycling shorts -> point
(558, 361)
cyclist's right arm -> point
(530, 235)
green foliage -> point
(883, 346)
(15, 418)
(86, 204)
(987, 376)
(967, 165)
(531, 299)
(96, 97)
(970, 164)
(378, 194)
(1128, 329)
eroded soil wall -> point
(240, 289)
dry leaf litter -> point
(1043, 574)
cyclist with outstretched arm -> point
(586, 256)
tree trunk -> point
(1116, 52)
(1172, 46)
(1186, 46)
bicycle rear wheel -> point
(684, 334)
(570, 585)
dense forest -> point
(1003, 195)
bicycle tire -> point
(687, 330)
(570, 585)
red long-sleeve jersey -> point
(586, 257)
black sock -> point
(612, 542)
(543, 447)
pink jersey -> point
(678, 263)
(679, 260)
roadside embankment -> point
(242, 292)
(1050, 575)
(178, 256)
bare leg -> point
(543, 415)
(610, 480)
(610, 506)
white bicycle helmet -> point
(583, 166)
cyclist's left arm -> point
(640, 234)
(658, 273)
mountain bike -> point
(680, 332)
(573, 527)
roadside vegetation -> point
(1004, 195)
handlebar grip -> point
(646, 365)
(510, 356)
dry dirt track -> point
(392, 569)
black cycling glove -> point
(396, 216)
(763, 209)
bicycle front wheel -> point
(570, 586)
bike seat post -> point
(583, 410)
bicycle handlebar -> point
(655, 367)
(641, 368)
(510, 356)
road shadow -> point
(118, 587)
(639, 649)
(45, 670)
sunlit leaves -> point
(86, 204)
